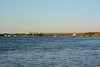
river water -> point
(49, 51)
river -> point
(21, 51)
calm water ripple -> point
(49, 51)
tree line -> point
(87, 34)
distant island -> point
(87, 34)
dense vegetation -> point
(88, 34)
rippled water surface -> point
(49, 51)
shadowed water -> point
(49, 51)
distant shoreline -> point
(88, 34)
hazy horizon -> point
(49, 16)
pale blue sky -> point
(49, 16)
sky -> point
(50, 16)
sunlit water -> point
(49, 51)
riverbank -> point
(88, 34)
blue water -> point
(49, 51)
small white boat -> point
(55, 36)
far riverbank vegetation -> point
(87, 34)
